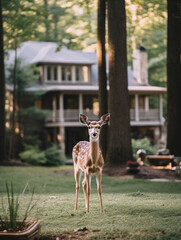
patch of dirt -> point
(64, 172)
(145, 172)
(150, 173)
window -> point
(131, 101)
(48, 73)
(91, 104)
(77, 73)
(85, 74)
(81, 73)
(63, 74)
(66, 73)
(71, 101)
(55, 73)
(69, 74)
(52, 74)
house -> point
(70, 80)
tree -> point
(2, 92)
(20, 25)
(119, 147)
(29, 120)
(21, 21)
(174, 77)
(101, 55)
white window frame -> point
(51, 73)
(66, 75)
(81, 74)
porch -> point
(71, 117)
(67, 107)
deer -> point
(88, 158)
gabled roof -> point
(47, 52)
(32, 52)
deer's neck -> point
(94, 151)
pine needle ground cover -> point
(134, 209)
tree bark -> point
(119, 148)
(13, 117)
(2, 93)
(174, 77)
(101, 56)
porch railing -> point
(72, 115)
(145, 115)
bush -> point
(33, 155)
(52, 156)
(142, 144)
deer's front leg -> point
(98, 180)
(77, 173)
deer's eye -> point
(98, 127)
(89, 127)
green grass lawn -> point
(134, 209)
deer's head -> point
(94, 127)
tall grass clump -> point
(10, 210)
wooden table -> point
(160, 160)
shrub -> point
(33, 155)
(54, 156)
(142, 144)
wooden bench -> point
(160, 160)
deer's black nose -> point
(94, 134)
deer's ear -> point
(105, 119)
(84, 119)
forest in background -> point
(74, 24)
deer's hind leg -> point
(77, 174)
(84, 186)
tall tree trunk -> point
(101, 55)
(119, 147)
(13, 117)
(174, 77)
(2, 93)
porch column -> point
(62, 139)
(44, 73)
(160, 108)
(54, 109)
(61, 110)
(147, 103)
(80, 103)
(73, 74)
(136, 107)
(59, 73)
